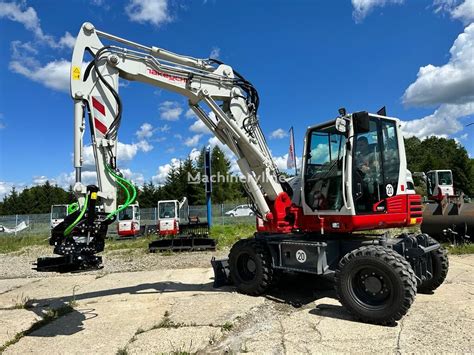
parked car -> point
(239, 211)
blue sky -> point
(306, 58)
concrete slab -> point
(126, 311)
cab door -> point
(323, 171)
(375, 166)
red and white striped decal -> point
(99, 114)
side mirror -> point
(341, 125)
(361, 122)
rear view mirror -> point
(341, 125)
(361, 121)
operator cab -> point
(440, 183)
(129, 221)
(58, 213)
(352, 165)
(168, 217)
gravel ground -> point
(20, 264)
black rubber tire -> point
(398, 285)
(440, 262)
(250, 282)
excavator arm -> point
(223, 99)
(231, 114)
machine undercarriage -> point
(376, 277)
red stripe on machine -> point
(100, 126)
(98, 105)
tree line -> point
(422, 155)
(440, 154)
(38, 199)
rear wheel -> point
(250, 267)
(440, 265)
(376, 284)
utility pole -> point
(207, 168)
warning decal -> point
(76, 72)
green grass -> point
(10, 243)
(139, 243)
(460, 249)
(227, 235)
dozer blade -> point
(182, 244)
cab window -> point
(323, 175)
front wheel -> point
(376, 284)
(250, 267)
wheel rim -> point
(371, 287)
(246, 267)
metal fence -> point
(40, 223)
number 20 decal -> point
(301, 256)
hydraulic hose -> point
(78, 219)
(122, 182)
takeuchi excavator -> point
(353, 180)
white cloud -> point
(2, 124)
(170, 110)
(125, 153)
(6, 187)
(41, 180)
(101, 3)
(450, 83)
(278, 134)
(137, 178)
(442, 123)
(195, 154)
(67, 40)
(190, 113)
(199, 127)
(155, 12)
(164, 128)
(215, 53)
(193, 141)
(163, 171)
(54, 75)
(145, 131)
(143, 146)
(28, 17)
(449, 86)
(363, 7)
(463, 11)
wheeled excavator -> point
(353, 180)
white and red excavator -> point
(353, 179)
